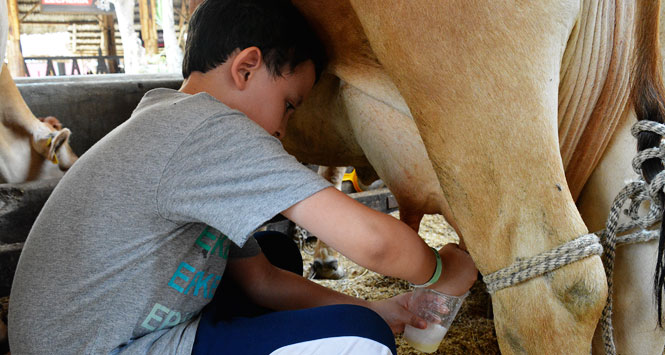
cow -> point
(634, 312)
(30, 148)
(338, 125)
(515, 104)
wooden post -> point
(183, 17)
(193, 4)
(14, 55)
(106, 22)
(148, 26)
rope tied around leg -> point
(636, 193)
(526, 269)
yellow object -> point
(353, 178)
(55, 158)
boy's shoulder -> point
(187, 113)
(172, 107)
(174, 100)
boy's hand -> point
(458, 272)
(394, 311)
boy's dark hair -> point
(219, 27)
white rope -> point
(642, 236)
(526, 269)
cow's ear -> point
(245, 65)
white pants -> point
(346, 345)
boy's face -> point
(270, 100)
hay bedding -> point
(472, 332)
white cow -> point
(30, 149)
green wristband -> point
(437, 272)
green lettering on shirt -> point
(153, 316)
(206, 233)
(173, 318)
(199, 282)
(223, 249)
(179, 275)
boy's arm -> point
(380, 242)
(277, 289)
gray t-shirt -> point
(134, 240)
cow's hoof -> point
(48, 145)
(327, 270)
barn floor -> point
(472, 332)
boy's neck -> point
(211, 82)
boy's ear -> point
(245, 65)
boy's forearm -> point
(277, 289)
(288, 291)
(372, 239)
(394, 249)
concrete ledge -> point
(19, 206)
(381, 200)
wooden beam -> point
(193, 4)
(14, 55)
(148, 26)
(57, 23)
(183, 16)
(108, 40)
(34, 7)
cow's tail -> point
(648, 98)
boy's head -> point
(220, 27)
(257, 56)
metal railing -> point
(102, 67)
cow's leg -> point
(634, 312)
(481, 81)
(48, 142)
(391, 141)
(325, 264)
(52, 121)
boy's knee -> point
(362, 322)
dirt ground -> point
(472, 332)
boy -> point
(133, 242)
